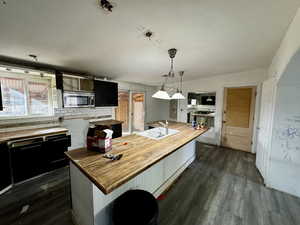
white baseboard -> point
(170, 180)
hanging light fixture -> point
(172, 52)
(178, 95)
(162, 94)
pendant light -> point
(172, 52)
(178, 95)
(162, 94)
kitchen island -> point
(147, 164)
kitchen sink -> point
(157, 133)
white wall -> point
(284, 161)
(284, 171)
(217, 84)
(155, 109)
(284, 157)
(288, 47)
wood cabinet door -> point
(106, 93)
(238, 118)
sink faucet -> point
(165, 125)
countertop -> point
(204, 115)
(107, 122)
(9, 136)
(139, 153)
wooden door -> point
(138, 111)
(122, 111)
(238, 118)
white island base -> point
(90, 206)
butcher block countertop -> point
(106, 122)
(139, 153)
(9, 136)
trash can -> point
(135, 207)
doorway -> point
(131, 110)
(238, 117)
(122, 111)
(138, 111)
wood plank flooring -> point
(42, 201)
(222, 187)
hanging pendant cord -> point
(180, 83)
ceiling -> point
(212, 37)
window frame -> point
(27, 77)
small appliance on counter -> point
(99, 139)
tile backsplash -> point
(51, 121)
(92, 112)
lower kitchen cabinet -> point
(152, 178)
(35, 156)
(178, 158)
(28, 159)
(54, 149)
(5, 168)
(166, 170)
(117, 130)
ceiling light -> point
(106, 5)
(34, 57)
(162, 94)
(172, 52)
(148, 34)
(178, 95)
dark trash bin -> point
(135, 207)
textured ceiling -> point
(212, 37)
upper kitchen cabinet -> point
(106, 93)
(72, 83)
(203, 98)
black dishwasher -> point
(55, 147)
(28, 158)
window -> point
(13, 95)
(26, 95)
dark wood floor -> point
(42, 201)
(222, 187)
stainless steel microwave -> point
(79, 99)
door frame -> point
(266, 162)
(256, 110)
(131, 109)
(130, 113)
